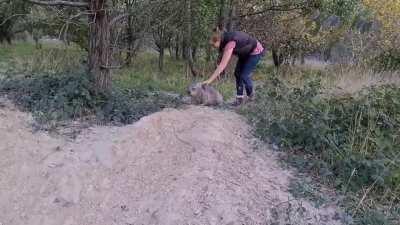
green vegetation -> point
(51, 83)
(337, 123)
(350, 141)
(72, 96)
(144, 74)
(349, 137)
(389, 60)
(25, 58)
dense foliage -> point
(64, 97)
(351, 141)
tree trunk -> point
(177, 43)
(302, 59)
(184, 49)
(221, 16)
(208, 53)
(277, 58)
(38, 45)
(188, 41)
(293, 60)
(230, 26)
(100, 54)
(194, 53)
(161, 59)
(130, 42)
(327, 53)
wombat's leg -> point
(197, 101)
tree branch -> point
(281, 8)
(118, 18)
(59, 3)
(10, 17)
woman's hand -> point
(207, 82)
(221, 67)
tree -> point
(162, 37)
(292, 29)
(100, 21)
(226, 15)
(137, 24)
(388, 14)
(11, 13)
(285, 27)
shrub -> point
(389, 60)
(352, 141)
(65, 97)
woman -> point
(249, 52)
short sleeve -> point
(230, 45)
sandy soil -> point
(194, 166)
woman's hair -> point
(216, 35)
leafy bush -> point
(64, 97)
(352, 142)
(127, 106)
(389, 60)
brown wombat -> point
(204, 95)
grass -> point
(338, 79)
(25, 58)
(18, 49)
(144, 73)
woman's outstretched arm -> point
(224, 62)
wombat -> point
(204, 95)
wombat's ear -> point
(203, 86)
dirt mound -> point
(192, 166)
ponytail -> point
(216, 35)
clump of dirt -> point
(194, 166)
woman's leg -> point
(247, 70)
(239, 79)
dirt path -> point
(192, 166)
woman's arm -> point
(224, 62)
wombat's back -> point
(212, 96)
(205, 95)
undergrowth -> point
(351, 142)
(72, 96)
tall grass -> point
(338, 79)
(25, 58)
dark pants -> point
(243, 72)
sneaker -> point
(251, 98)
(238, 102)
